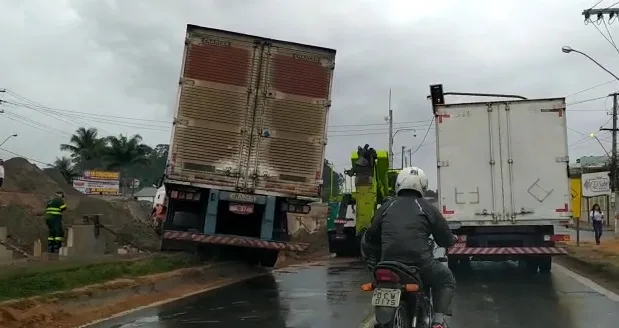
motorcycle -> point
(399, 296)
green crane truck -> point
(350, 217)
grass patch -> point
(602, 258)
(25, 282)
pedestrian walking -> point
(1, 173)
(53, 217)
(597, 219)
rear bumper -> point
(239, 241)
(472, 251)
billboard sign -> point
(595, 184)
(98, 183)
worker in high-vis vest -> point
(53, 217)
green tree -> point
(65, 166)
(338, 181)
(123, 153)
(150, 172)
(85, 147)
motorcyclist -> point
(400, 231)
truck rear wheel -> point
(268, 258)
(545, 264)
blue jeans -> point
(598, 228)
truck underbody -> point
(223, 223)
(535, 245)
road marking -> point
(368, 321)
(587, 282)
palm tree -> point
(123, 153)
(85, 147)
(65, 166)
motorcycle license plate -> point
(386, 297)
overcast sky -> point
(74, 60)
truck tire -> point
(452, 263)
(531, 265)
(268, 258)
(545, 264)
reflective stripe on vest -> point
(53, 211)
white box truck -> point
(503, 177)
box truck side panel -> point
(468, 164)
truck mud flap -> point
(507, 251)
(239, 241)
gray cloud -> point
(123, 58)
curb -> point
(207, 277)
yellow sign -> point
(576, 195)
(107, 191)
(101, 175)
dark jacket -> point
(401, 229)
(54, 207)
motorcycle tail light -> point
(386, 275)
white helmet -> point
(411, 178)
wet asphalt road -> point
(328, 296)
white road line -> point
(368, 321)
(587, 282)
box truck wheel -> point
(268, 258)
(545, 264)
(531, 265)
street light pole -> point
(7, 138)
(391, 134)
(613, 161)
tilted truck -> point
(248, 142)
(503, 177)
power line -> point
(591, 88)
(24, 157)
(381, 124)
(585, 101)
(424, 138)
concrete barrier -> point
(5, 254)
(82, 242)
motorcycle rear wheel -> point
(401, 318)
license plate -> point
(238, 197)
(386, 297)
(241, 208)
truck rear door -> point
(535, 160)
(287, 153)
(503, 162)
(468, 162)
(211, 135)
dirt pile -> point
(26, 190)
(310, 228)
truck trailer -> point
(503, 177)
(248, 143)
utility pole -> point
(599, 13)
(410, 157)
(613, 159)
(403, 151)
(390, 121)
